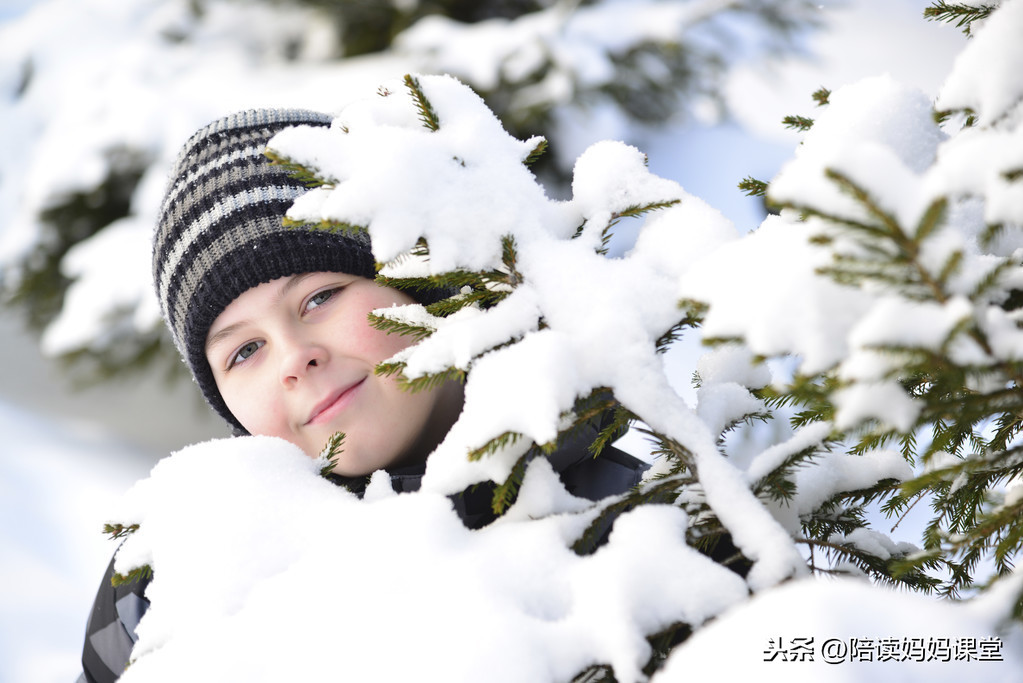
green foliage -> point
(753, 187)
(392, 326)
(138, 574)
(971, 412)
(962, 14)
(38, 286)
(38, 290)
(422, 383)
(120, 531)
(308, 177)
(331, 453)
(426, 112)
(116, 531)
(537, 152)
(507, 491)
(800, 123)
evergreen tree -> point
(904, 388)
(919, 405)
(952, 258)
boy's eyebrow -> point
(288, 285)
(215, 339)
(292, 282)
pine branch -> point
(619, 424)
(333, 227)
(402, 329)
(479, 297)
(536, 153)
(674, 333)
(506, 492)
(330, 454)
(795, 122)
(664, 490)
(426, 382)
(303, 174)
(991, 280)
(893, 571)
(662, 643)
(904, 269)
(590, 407)
(639, 210)
(426, 112)
(693, 310)
(680, 457)
(963, 15)
(509, 257)
(777, 485)
(116, 531)
(135, 575)
(821, 96)
(598, 673)
(633, 211)
(417, 285)
(753, 187)
(499, 442)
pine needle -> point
(330, 455)
(426, 111)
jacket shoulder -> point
(110, 632)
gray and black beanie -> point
(220, 232)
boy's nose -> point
(299, 358)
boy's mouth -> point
(333, 404)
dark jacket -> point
(110, 632)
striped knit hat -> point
(220, 232)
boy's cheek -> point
(257, 411)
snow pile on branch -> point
(891, 281)
(880, 138)
(850, 632)
(427, 160)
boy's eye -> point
(245, 352)
(320, 298)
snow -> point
(877, 133)
(83, 116)
(581, 348)
(56, 484)
(763, 92)
(995, 52)
(880, 136)
(818, 311)
(456, 601)
(125, 287)
(848, 621)
(577, 39)
(435, 600)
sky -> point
(66, 486)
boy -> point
(272, 323)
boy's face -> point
(294, 358)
